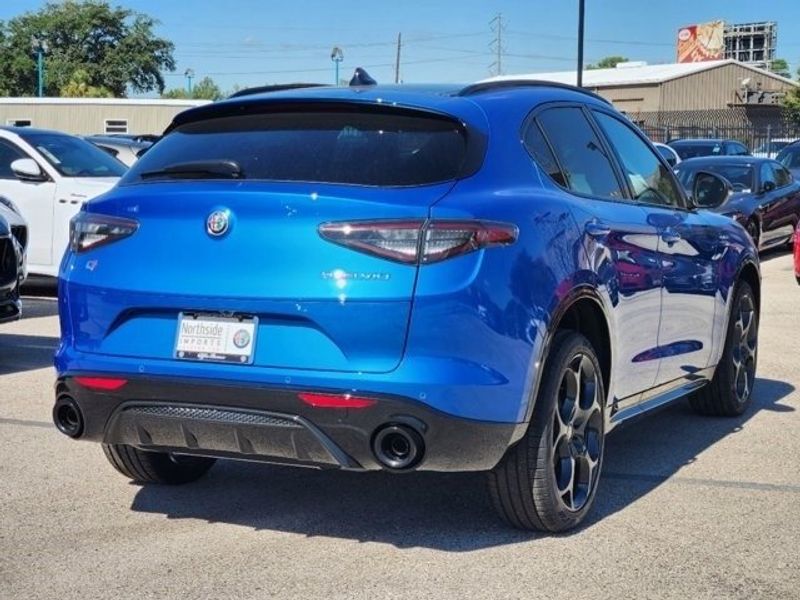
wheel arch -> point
(749, 272)
(583, 311)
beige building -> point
(87, 116)
(636, 87)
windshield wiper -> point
(199, 169)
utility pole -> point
(581, 19)
(397, 60)
(189, 73)
(496, 44)
(337, 56)
(40, 47)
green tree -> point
(791, 105)
(79, 87)
(609, 62)
(205, 89)
(780, 67)
(114, 46)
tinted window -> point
(782, 176)
(540, 150)
(689, 150)
(650, 180)
(740, 176)
(767, 176)
(74, 157)
(8, 154)
(790, 157)
(585, 167)
(737, 149)
(327, 147)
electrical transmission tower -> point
(496, 45)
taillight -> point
(318, 400)
(90, 230)
(419, 241)
(101, 383)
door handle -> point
(671, 237)
(597, 229)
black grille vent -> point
(20, 232)
(8, 262)
(212, 414)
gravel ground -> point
(688, 507)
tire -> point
(730, 391)
(156, 467)
(564, 444)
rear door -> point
(687, 251)
(620, 244)
(779, 202)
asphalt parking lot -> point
(689, 507)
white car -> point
(49, 175)
(668, 153)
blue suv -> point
(487, 278)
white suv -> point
(48, 176)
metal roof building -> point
(87, 116)
(636, 87)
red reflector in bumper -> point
(107, 384)
(335, 400)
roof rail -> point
(487, 86)
(262, 89)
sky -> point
(256, 42)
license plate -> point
(216, 339)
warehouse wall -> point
(714, 88)
(85, 118)
(632, 98)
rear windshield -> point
(790, 157)
(356, 148)
(692, 150)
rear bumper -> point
(254, 422)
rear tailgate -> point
(318, 305)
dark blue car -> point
(487, 278)
(764, 195)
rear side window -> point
(649, 179)
(355, 148)
(585, 168)
(538, 147)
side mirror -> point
(768, 187)
(27, 169)
(710, 190)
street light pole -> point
(337, 56)
(40, 47)
(581, 18)
(189, 73)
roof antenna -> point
(361, 77)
